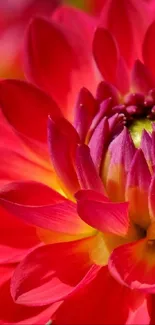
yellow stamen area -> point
(137, 128)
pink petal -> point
(138, 182)
(52, 272)
(104, 110)
(146, 146)
(132, 265)
(104, 216)
(86, 171)
(100, 137)
(39, 205)
(141, 78)
(148, 55)
(105, 54)
(86, 108)
(64, 71)
(63, 140)
(121, 152)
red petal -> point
(23, 105)
(134, 265)
(133, 20)
(52, 272)
(65, 70)
(16, 167)
(151, 198)
(39, 205)
(16, 238)
(105, 54)
(141, 78)
(104, 216)
(22, 315)
(6, 272)
(63, 140)
(138, 182)
(106, 90)
(86, 171)
(103, 301)
(27, 108)
(148, 54)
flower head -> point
(98, 231)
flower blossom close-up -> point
(77, 190)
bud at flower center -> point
(137, 127)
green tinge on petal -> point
(137, 128)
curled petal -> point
(93, 311)
(39, 205)
(134, 265)
(104, 216)
(43, 278)
(22, 315)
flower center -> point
(137, 127)
(139, 112)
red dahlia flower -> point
(96, 257)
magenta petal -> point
(121, 152)
(100, 137)
(86, 108)
(86, 171)
(105, 216)
(63, 140)
(146, 146)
